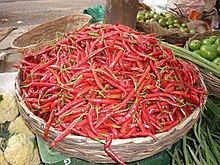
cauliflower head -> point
(2, 159)
(19, 126)
(36, 158)
(8, 107)
(20, 150)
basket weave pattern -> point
(47, 31)
(128, 150)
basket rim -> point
(13, 43)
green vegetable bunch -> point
(201, 145)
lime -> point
(192, 31)
(170, 27)
(153, 12)
(170, 22)
(195, 45)
(148, 16)
(176, 21)
(168, 15)
(141, 12)
(156, 16)
(153, 19)
(140, 17)
(176, 25)
(162, 22)
(183, 25)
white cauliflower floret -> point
(8, 107)
(20, 150)
(36, 158)
(19, 126)
(2, 159)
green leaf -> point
(93, 34)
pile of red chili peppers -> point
(108, 82)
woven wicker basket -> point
(47, 31)
(127, 149)
(212, 82)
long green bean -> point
(194, 156)
(183, 53)
(185, 153)
(213, 145)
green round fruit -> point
(176, 21)
(213, 38)
(168, 15)
(217, 41)
(140, 17)
(216, 47)
(216, 61)
(148, 16)
(170, 26)
(195, 45)
(193, 31)
(208, 52)
(153, 19)
(141, 12)
(176, 25)
(197, 52)
(162, 22)
(156, 16)
(207, 41)
(183, 25)
(170, 22)
(153, 12)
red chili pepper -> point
(155, 70)
(129, 133)
(119, 54)
(42, 84)
(42, 66)
(49, 99)
(102, 101)
(67, 106)
(112, 83)
(125, 125)
(83, 91)
(166, 128)
(133, 109)
(91, 115)
(110, 152)
(48, 123)
(64, 133)
(144, 75)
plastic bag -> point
(159, 6)
(97, 13)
